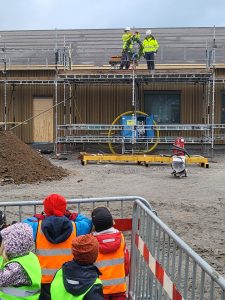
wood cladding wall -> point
(96, 103)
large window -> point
(165, 106)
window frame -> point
(165, 92)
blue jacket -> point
(83, 224)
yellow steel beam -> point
(141, 158)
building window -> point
(165, 106)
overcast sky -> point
(82, 14)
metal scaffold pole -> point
(134, 116)
(213, 93)
(5, 105)
(56, 93)
(5, 92)
(213, 113)
(56, 115)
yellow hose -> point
(129, 113)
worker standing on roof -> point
(113, 257)
(150, 48)
(53, 233)
(126, 49)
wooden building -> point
(188, 86)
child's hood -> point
(17, 240)
(109, 242)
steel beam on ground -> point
(145, 159)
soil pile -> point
(19, 163)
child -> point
(20, 271)
(53, 233)
(113, 258)
(2, 220)
(79, 278)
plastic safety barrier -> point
(164, 267)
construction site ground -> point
(194, 207)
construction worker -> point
(20, 270)
(53, 233)
(150, 48)
(113, 257)
(126, 48)
(137, 47)
(79, 278)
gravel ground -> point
(194, 207)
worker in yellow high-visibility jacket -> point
(150, 48)
(126, 48)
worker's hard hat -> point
(148, 32)
(127, 29)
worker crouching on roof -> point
(150, 48)
(126, 48)
(20, 272)
(113, 258)
(79, 278)
(54, 232)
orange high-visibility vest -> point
(111, 265)
(52, 256)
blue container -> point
(128, 121)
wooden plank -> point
(43, 122)
(12, 123)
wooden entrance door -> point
(43, 123)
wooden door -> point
(43, 122)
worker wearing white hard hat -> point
(150, 48)
(127, 29)
(126, 50)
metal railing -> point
(167, 54)
(18, 210)
(164, 267)
(99, 133)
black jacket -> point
(85, 277)
(56, 229)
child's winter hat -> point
(55, 205)
(17, 240)
(85, 249)
(102, 219)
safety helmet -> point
(148, 32)
(127, 29)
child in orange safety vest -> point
(113, 258)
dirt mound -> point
(19, 163)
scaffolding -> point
(70, 133)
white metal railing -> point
(164, 267)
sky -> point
(94, 14)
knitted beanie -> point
(85, 249)
(17, 240)
(55, 205)
(102, 219)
